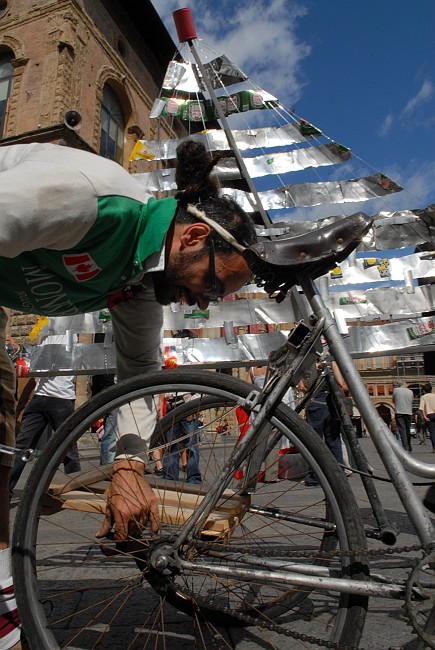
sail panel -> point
(216, 140)
(183, 76)
(361, 341)
(311, 194)
(258, 166)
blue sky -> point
(363, 72)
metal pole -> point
(186, 33)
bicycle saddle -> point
(278, 263)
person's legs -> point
(408, 420)
(33, 424)
(420, 433)
(333, 438)
(9, 621)
(431, 429)
(401, 426)
(57, 410)
(171, 458)
(429, 498)
(108, 440)
(192, 451)
(71, 462)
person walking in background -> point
(427, 411)
(186, 428)
(107, 430)
(402, 400)
(182, 442)
(394, 428)
(321, 416)
(421, 427)
(224, 428)
(51, 404)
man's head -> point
(427, 388)
(200, 265)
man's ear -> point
(194, 236)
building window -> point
(6, 78)
(371, 390)
(380, 390)
(378, 363)
(112, 126)
(3, 6)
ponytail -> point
(196, 186)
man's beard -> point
(170, 284)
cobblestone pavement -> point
(386, 626)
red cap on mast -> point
(184, 23)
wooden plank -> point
(174, 508)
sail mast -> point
(187, 34)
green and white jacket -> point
(75, 229)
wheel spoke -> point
(89, 594)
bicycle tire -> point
(223, 603)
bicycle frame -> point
(394, 458)
(262, 404)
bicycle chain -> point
(210, 546)
(268, 625)
(396, 550)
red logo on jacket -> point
(81, 266)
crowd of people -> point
(407, 420)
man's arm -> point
(137, 326)
(49, 195)
(43, 203)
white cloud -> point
(259, 36)
(417, 182)
(386, 125)
(425, 92)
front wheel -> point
(72, 595)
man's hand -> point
(131, 503)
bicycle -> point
(276, 555)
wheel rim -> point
(115, 585)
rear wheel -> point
(71, 595)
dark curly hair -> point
(196, 186)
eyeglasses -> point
(212, 292)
